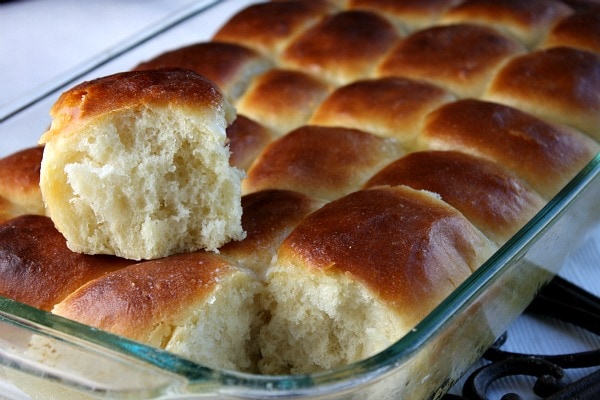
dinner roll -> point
(321, 162)
(543, 154)
(390, 107)
(136, 165)
(195, 304)
(343, 47)
(246, 139)
(37, 268)
(561, 84)
(527, 21)
(289, 19)
(230, 66)
(19, 183)
(282, 100)
(360, 272)
(381, 151)
(269, 216)
(410, 15)
(489, 195)
(461, 58)
(579, 30)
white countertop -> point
(45, 42)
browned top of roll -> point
(527, 21)
(561, 84)
(91, 99)
(410, 14)
(489, 195)
(226, 64)
(20, 183)
(284, 19)
(321, 162)
(282, 99)
(269, 215)
(391, 107)
(543, 154)
(343, 47)
(408, 247)
(37, 268)
(459, 57)
(580, 30)
(246, 139)
(138, 298)
(7, 209)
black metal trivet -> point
(560, 300)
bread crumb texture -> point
(145, 180)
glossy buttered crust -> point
(381, 139)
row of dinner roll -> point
(388, 148)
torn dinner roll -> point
(360, 272)
(196, 305)
(136, 165)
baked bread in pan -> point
(390, 147)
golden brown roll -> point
(267, 27)
(357, 274)
(136, 165)
(489, 195)
(527, 21)
(560, 84)
(229, 65)
(246, 139)
(269, 216)
(461, 58)
(37, 268)
(197, 305)
(410, 15)
(390, 107)
(321, 162)
(580, 30)
(19, 183)
(543, 154)
(282, 100)
(343, 47)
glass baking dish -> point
(49, 357)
